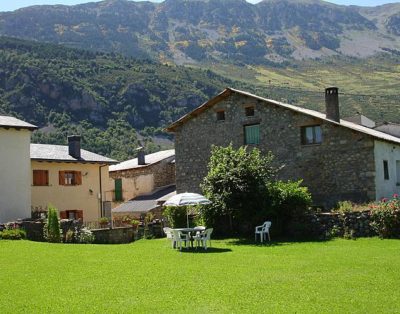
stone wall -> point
(114, 236)
(326, 225)
(163, 172)
(340, 168)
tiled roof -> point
(60, 153)
(229, 91)
(149, 160)
(145, 203)
(11, 122)
(389, 128)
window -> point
(70, 178)
(311, 135)
(249, 111)
(71, 214)
(252, 134)
(398, 171)
(385, 170)
(220, 115)
(40, 177)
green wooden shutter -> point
(118, 189)
(252, 133)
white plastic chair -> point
(178, 238)
(263, 231)
(203, 237)
(168, 233)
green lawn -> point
(338, 276)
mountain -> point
(210, 31)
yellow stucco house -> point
(15, 189)
(70, 178)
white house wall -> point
(15, 174)
(391, 153)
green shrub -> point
(13, 234)
(236, 185)
(385, 217)
(52, 232)
(176, 216)
(86, 236)
(289, 199)
(345, 207)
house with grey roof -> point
(15, 188)
(336, 159)
(70, 178)
(146, 177)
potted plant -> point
(103, 221)
(135, 223)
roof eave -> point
(224, 94)
(76, 161)
(30, 128)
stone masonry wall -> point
(163, 172)
(340, 168)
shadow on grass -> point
(203, 251)
(278, 242)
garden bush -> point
(52, 232)
(12, 234)
(85, 236)
(385, 216)
(244, 192)
(176, 216)
(289, 201)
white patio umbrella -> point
(185, 199)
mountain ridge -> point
(192, 32)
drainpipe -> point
(101, 193)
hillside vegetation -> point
(104, 97)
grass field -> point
(338, 276)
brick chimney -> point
(332, 103)
(141, 156)
(74, 146)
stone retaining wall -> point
(325, 225)
(114, 236)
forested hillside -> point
(105, 97)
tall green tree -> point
(237, 185)
(52, 226)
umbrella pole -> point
(187, 217)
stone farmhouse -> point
(337, 159)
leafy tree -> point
(237, 185)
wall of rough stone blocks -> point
(154, 176)
(340, 168)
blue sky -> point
(10, 5)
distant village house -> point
(142, 184)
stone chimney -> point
(332, 103)
(74, 146)
(141, 156)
